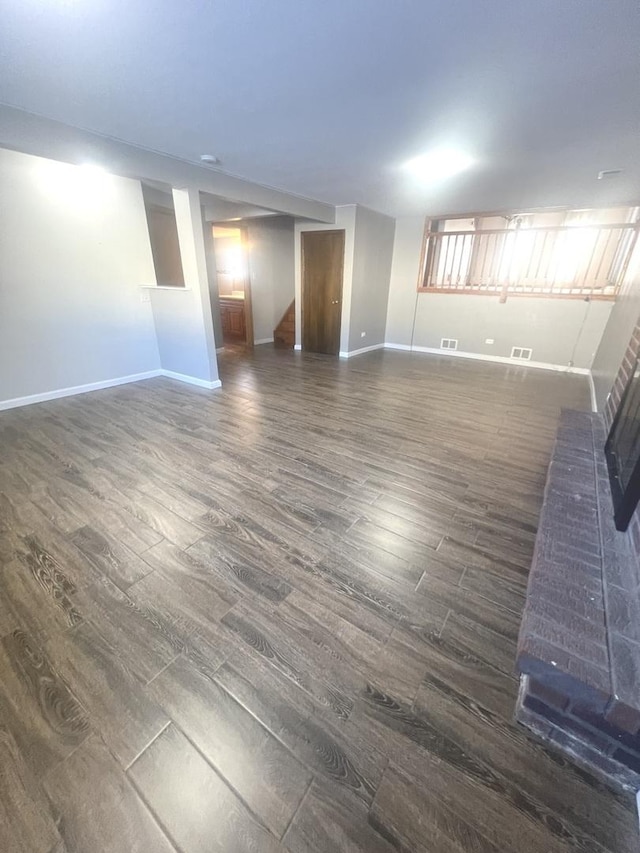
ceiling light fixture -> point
(609, 173)
(210, 159)
(439, 164)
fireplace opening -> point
(622, 451)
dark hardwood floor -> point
(282, 616)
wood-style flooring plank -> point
(269, 779)
(36, 704)
(243, 572)
(38, 600)
(406, 815)
(330, 820)
(146, 638)
(108, 556)
(100, 676)
(27, 824)
(195, 806)
(193, 597)
(317, 741)
(100, 808)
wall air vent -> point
(521, 353)
(448, 343)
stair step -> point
(284, 333)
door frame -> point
(248, 305)
(244, 245)
(302, 276)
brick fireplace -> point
(579, 644)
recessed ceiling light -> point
(210, 159)
(439, 164)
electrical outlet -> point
(363, 334)
(489, 341)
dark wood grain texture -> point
(36, 704)
(257, 766)
(322, 263)
(27, 824)
(197, 808)
(282, 616)
(100, 807)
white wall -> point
(181, 344)
(183, 317)
(373, 251)
(559, 331)
(74, 251)
(271, 269)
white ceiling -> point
(328, 98)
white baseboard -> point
(499, 359)
(29, 400)
(297, 347)
(404, 347)
(16, 402)
(360, 351)
(263, 341)
(192, 380)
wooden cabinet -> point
(234, 327)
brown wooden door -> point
(322, 263)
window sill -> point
(164, 287)
(589, 297)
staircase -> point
(284, 334)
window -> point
(163, 236)
(622, 451)
(567, 254)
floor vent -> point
(448, 343)
(521, 353)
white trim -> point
(177, 288)
(76, 389)
(17, 402)
(404, 347)
(297, 347)
(500, 359)
(592, 391)
(219, 349)
(263, 341)
(360, 351)
(192, 380)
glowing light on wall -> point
(86, 187)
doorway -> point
(322, 267)
(234, 287)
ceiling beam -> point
(44, 137)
